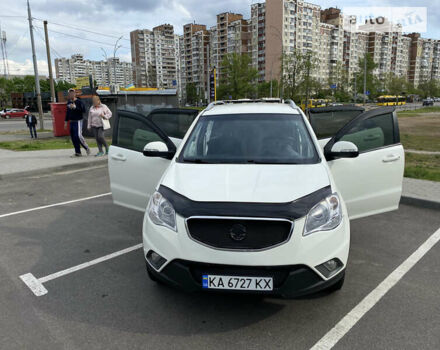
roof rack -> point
(248, 100)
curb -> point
(54, 169)
(419, 202)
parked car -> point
(15, 113)
(247, 198)
(428, 102)
(4, 111)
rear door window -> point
(326, 122)
(175, 123)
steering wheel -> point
(279, 146)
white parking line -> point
(54, 205)
(36, 284)
(343, 326)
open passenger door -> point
(370, 183)
(133, 176)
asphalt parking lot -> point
(111, 304)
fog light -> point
(330, 268)
(155, 260)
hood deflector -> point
(289, 210)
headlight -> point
(324, 216)
(161, 211)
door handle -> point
(391, 158)
(119, 157)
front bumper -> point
(288, 281)
(292, 264)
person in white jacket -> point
(97, 113)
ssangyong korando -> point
(245, 197)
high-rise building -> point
(196, 51)
(155, 57)
(232, 35)
(424, 59)
(295, 26)
(103, 72)
(258, 39)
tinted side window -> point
(371, 133)
(173, 124)
(134, 134)
(327, 124)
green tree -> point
(263, 89)
(297, 79)
(372, 81)
(63, 85)
(429, 88)
(238, 78)
(192, 97)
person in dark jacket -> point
(74, 114)
(31, 121)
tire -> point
(337, 286)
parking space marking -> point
(36, 284)
(330, 339)
(54, 205)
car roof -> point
(251, 108)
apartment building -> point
(295, 26)
(196, 39)
(435, 74)
(155, 57)
(424, 59)
(232, 35)
(112, 71)
(332, 56)
(143, 57)
(258, 38)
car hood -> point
(260, 183)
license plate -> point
(237, 282)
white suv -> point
(244, 197)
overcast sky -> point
(114, 18)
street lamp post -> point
(108, 68)
(280, 36)
(114, 57)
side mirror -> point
(158, 149)
(342, 149)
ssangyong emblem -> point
(237, 232)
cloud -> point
(27, 67)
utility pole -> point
(37, 79)
(355, 89)
(4, 52)
(49, 63)
(307, 81)
(365, 79)
(208, 92)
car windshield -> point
(250, 138)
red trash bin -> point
(58, 111)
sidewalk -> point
(14, 163)
(421, 192)
(24, 136)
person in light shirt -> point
(97, 113)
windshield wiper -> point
(257, 161)
(195, 160)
